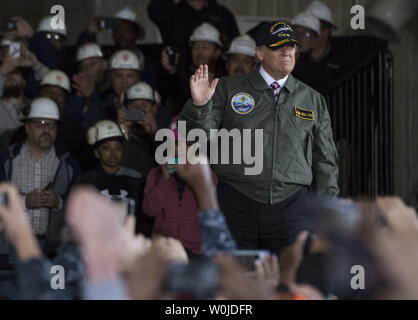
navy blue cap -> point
(275, 35)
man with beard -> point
(55, 85)
(240, 58)
(205, 48)
(11, 105)
(41, 172)
(12, 87)
(124, 72)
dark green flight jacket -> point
(298, 145)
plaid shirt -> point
(34, 174)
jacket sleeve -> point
(75, 106)
(155, 193)
(324, 155)
(214, 233)
(208, 116)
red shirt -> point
(173, 218)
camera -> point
(171, 52)
(14, 49)
(197, 280)
(8, 25)
(247, 258)
(108, 23)
(134, 114)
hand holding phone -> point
(14, 49)
(174, 162)
(171, 52)
(134, 114)
(247, 258)
(8, 25)
(108, 23)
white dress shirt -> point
(269, 80)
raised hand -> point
(93, 27)
(291, 258)
(15, 222)
(165, 62)
(399, 217)
(268, 271)
(29, 59)
(24, 29)
(201, 89)
(10, 63)
(83, 83)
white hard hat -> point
(206, 32)
(124, 59)
(104, 129)
(321, 11)
(43, 108)
(56, 78)
(128, 14)
(140, 90)
(45, 26)
(89, 50)
(242, 45)
(307, 20)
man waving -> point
(299, 154)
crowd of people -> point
(80, 186)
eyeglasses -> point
(54, 36)
(41, 124)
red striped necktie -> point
(275, 86)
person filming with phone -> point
(139, 115)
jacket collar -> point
(258, 83)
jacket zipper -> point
(274, 147)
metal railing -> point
(360, 106)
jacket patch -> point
(242, 103)
(304, 114)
